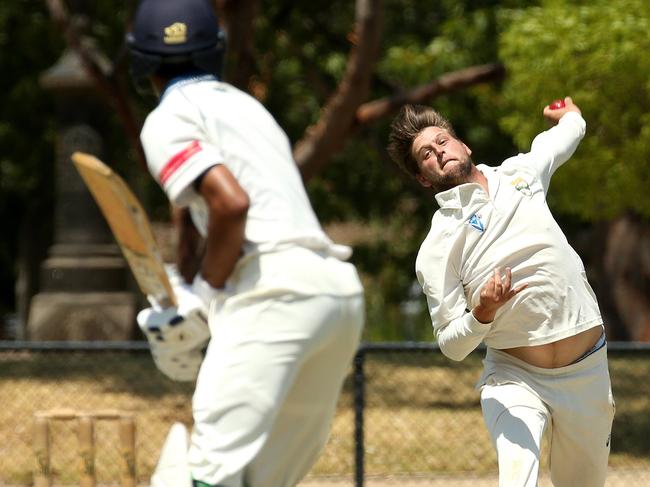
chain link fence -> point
(422, 425)
(407, 415)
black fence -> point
(407, 415)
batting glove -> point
(177, 335)
(176, 341)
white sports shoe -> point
(172, 469)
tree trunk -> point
(627, 270)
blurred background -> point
(333, 73)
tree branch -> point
(327, 136)
(238, 18)
(374, 110)
(101, 72)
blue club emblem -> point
(476, 222)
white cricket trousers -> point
(520, 401)
(268, 387)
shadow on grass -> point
(631, 388)
(630, 434)
(393, 380)
(112, 371)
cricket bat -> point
(130, 226)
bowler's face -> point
(444, 161)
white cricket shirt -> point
(473, 232)
(201, 122)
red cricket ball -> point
(557, 104)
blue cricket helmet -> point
(175, 32)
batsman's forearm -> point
(223, 248)
(188, 255)
(227, 205)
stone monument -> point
(86, 291)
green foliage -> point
(302, 50)
(592, 51)
(597, 53)
(21, 131)
(28, 44)
(362, 183)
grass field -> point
(422, 415)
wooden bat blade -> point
(130, 226)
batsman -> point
(497, 268)
(285, 309)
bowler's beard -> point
(460, 174)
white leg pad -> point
(172, 469)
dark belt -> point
(602, 341)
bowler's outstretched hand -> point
(553, 115)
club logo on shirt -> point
(476, 222)
(522, 186)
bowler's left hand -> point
(496, 292)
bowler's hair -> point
(406, 126)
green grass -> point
(422, 413)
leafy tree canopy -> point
(597, 53)
(593, 51)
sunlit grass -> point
(422, 414)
